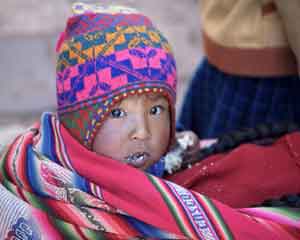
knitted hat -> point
(106, 54)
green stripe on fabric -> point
(10, 187)
(3, 158)
(37, 202)
(91, 234)
(170, 204)
(31, 198)
(218, 217)
(286, 211)
(66, 229)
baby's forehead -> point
(154, 96)
(149, 97)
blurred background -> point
(28, 33)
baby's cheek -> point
(161, 135)
(110, 140)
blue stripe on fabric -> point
(48, 147)
(32, 174)
(157, 169)
(146, 230)
(80, 183)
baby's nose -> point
(141, 129)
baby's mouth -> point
(137, 159)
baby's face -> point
(137, 132)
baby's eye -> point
(117, 113)
(156, 110)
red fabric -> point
(249, 227)
(249, 174)
(117, 178)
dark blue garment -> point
(217, 103)
(158, 168)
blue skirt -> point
(217, 103)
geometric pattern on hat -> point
(104, 57)
(88, 46)
(105, 74)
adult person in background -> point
(249, 72)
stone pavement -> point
(28, 31)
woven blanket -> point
(54, 188)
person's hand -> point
(188, 140)
(189, 143)
(192, 145)
(186, 144)
(185, 150)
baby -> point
(116, 83)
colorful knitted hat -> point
(106, 54)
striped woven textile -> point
(54, 188)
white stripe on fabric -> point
(11, 209)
